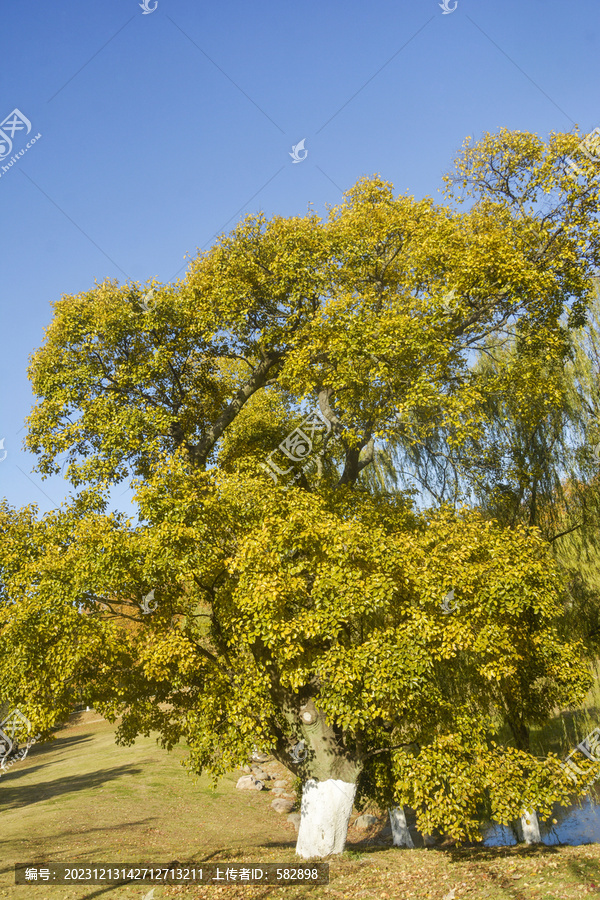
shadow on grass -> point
(13, 773)
(39, 748)
(8, 869)
(60, 742)
(24, 795)
(24, 767)
(466, 853)
(51, 746)
(240, 853)
(480, 853)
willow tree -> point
(536, 464)
(290, 600)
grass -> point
(83, 800)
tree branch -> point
(562, 533)
(200, 452)
(389, 749)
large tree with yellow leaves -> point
(291, 599)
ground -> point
(84, 800)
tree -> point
(310, 609)
(541, 469)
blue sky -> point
(161, 130)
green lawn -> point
(84, 800)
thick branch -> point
(199, 453)
(353, 465)
(326, 410)
(389, 749)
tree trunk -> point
(528, 828)
(325, 812)
(328, 769)
(520, 732)
(400, 833)
(330, 774)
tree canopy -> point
(307, 601)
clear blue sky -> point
(160, 130)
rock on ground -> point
(279, 792)
(249, 783)
(282, 806)
(364, 822)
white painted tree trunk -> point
(325, 813)
(528, 828)
(400, 833)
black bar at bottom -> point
(195, 873)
